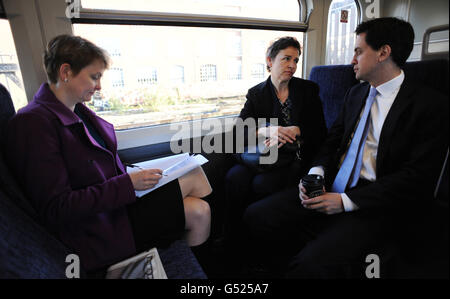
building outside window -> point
(177, 74)
(116, 75)
(258, 70)
(235, 69)
(147, 76)
(208, 72)
(112, 46)
(235, 44)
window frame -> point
(2, 11)
(142, 136)
(11, 67)
(123, 17)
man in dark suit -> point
(381, 161)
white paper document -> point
(173, 167)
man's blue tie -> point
(351, 167)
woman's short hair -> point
(281, 44)
(74, 50)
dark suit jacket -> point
(307, 112)
(78, 188)
(411, 150)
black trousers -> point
(304, 243)
(244, 186)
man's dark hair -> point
(396, 33)
(281, 44)
(74, 50)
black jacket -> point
(307, 112)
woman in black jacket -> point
(296, 106)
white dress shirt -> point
(379, 110)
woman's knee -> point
(197, 211)
(195, 184)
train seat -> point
(27, 250)
(334, 81)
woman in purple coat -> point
(65, 158)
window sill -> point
(164, 133)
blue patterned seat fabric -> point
(335, 80)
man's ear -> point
(269, 61)
(384, 53)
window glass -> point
(177, 74)
(208, 72)
(168, 74)
(438, 42)
(10, 75)
(258, 70)
(342, 22)
(287, 10)
(235, 69)
(147, 76)
(116, 77)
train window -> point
(438, 42)
(258, 70)
(166, 74)
(342, 22)
(10, 75)
(208, 72)
(177, 74)
(267, 9)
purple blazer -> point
(78, 188)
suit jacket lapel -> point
(401, 102)
(355, 106)
(267, 107)
(105, 129)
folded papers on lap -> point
(173, 167)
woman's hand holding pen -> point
(146, 178)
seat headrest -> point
(334, 81)
(433, 73)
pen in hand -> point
(139, 167)
(133, 166)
